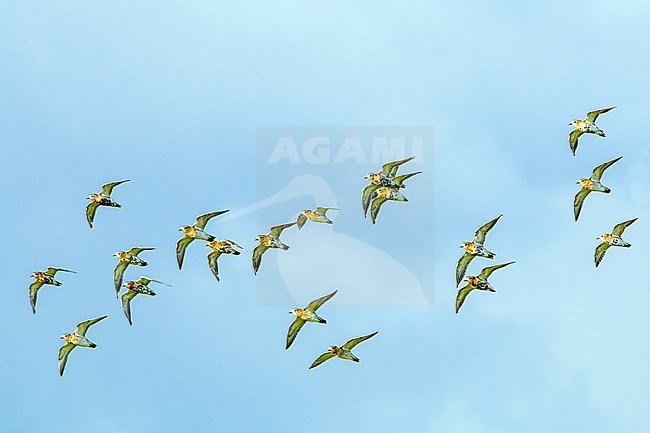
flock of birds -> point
(383, 186)
(475, 248)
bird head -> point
(574, 122)
(333, 349)
(466, 245)
(583, 181)
(295, 311)
(185, 229)
(65, 337)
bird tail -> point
(607, 190)
(490, 255)
(354, 358)
(211, 238)
(285, 247)
(142, 263)
(627, 244)
(601, 133)
(92, 345)
(321, 320)
(115, 204)
(235, 252)
(56, 283)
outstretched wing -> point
(126, 303)
(203, 219)
(33, 291)
(321, 210)
(620, 228)
(481, 232)
(64, 351)
(137, 250)
(573, 140)
(601, 249)
(462, 265)
(107, 188)
(399, 180)
(375, 206)
(389, 169)
(293, 331)
(82, 327)
(366, 196)
(316, 303)
(301, 221)
(91, 208)
(181, 246)
(351, 343)
(486, 272)
(118, 275)
(147, 280)
(257, 256)
(212, 263)
(578, 201)
(51, 271)
(593, 115)
(598, 171)
(276, 230)
(324, 357)
(461, 295)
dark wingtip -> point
(322, 321)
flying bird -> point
(74, 339)
(478, 282)
(368, 192)
(40, 278)
(382, 195)
(195, 232)
(271, 240)
(224, 246)
(474, 248)
(134, 288)
(317, 215)
(612, 240)
(102, 198)
(307, 314)
(387, 172)
(591, 184)
(586, 126)
(343, 352)
(124, 259)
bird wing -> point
(481, 232)
(601, 249)
(181, 246)
(91, 208)
(620, 227)
(107, 188)
(212, 263)
(51, 271)
(366, 196)
(276, 230)
(316, 303)
(321, 210)
(137, 250)
(257, 256)
(147, 280)
(126, 303)
(593, 115)
(293, 331)
(82, 327)
(351, 343)
(486, 272)
(64, 351)
(573, 140)
(301, 221)
(462, 265)
(118, 275)
(462, 294)
(390, 168)
(203, 219)
(578, 201)
(33, 291)
(598, 171)
(375, 206)
(399, 180)
(324, 357)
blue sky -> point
(176, 96)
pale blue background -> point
(170, 94)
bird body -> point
(124, 259)
(74, 339)
(477, 282)
(316, 215)
(307, 314)
(102, 198)
(41, 278)
(591, 184)
(223, 246)
(586, 126)
(196, 231)
(266, 241)
(134, 288)
(612, 239)
(343, 352)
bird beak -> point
(571, 124)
